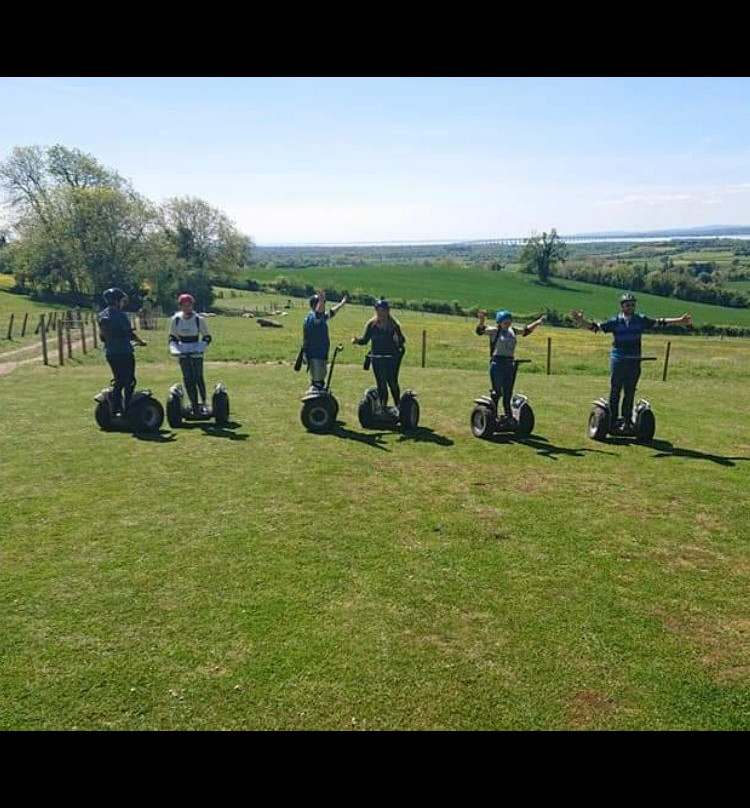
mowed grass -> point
(262, 577)
(520, 293)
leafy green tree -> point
(541, 253)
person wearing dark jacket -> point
(117, 338)
(384, 332)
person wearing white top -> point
(187, 328)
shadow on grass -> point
(424, 435)
(544, 448)
(162, 436)
(375, 440)
(555, 284)
(215, 431)
(666, 449)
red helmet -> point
(185, 298)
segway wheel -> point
(409, 411)
(103, 415)
(335, 405)
(174, 411)
(220, 407)
(598, 424)
(482, 421)
(525, 421)
(146, 415)
(365, 412)
(317, 414)
(646, 426)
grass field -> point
(520, 293)
(262, 577)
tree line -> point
(77, 227)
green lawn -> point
(520, 293)
(266, 578)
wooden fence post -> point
(44, 339)
(10, 326)
(68, 321)
(60, 342)
(82, 326)
(23, 327)
(549, 356)
(666, 361)
(424, 347)
(96, 336)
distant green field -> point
(520, 293)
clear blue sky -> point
(357, 159)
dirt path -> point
(7, 367)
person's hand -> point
(576, 316)
(686, 319)
(343, 300)
(207, 338)
(542, 319)
(142, 343)
(482, 314)
(354, 340)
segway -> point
(179, 407)
(641, 426)
(484, 417)
(143, 414)
(319, 407)
(373, 414)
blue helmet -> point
(113, 296)
(503, 314)
(382, 303)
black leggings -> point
(386, 375)
(192, 374)
(123, 370)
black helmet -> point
(382, 303)
(113, 295)
(314, 300)
(628, 297)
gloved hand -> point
(173, 338)
(207, 338)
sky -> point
(337, 160)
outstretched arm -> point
(482, 328)
(365, 338)
(578, 318)
(686, 319)
(341, 303)
(531, 326)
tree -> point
(541, 253)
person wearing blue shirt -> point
(315, 340)
(117, 337)
(626, 328)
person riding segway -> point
(518, 417)
(627, 328)
(387, 340)
(119, 406)
(188, 339)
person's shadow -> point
(162, 436)
(666, 449)
(371, 439)
(544, 448)
(224, 431)
(423, 434)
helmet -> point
(113, 296)
(503, 314)
(184, 298)
(628, 297)
(382, 303)
(314, 300)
